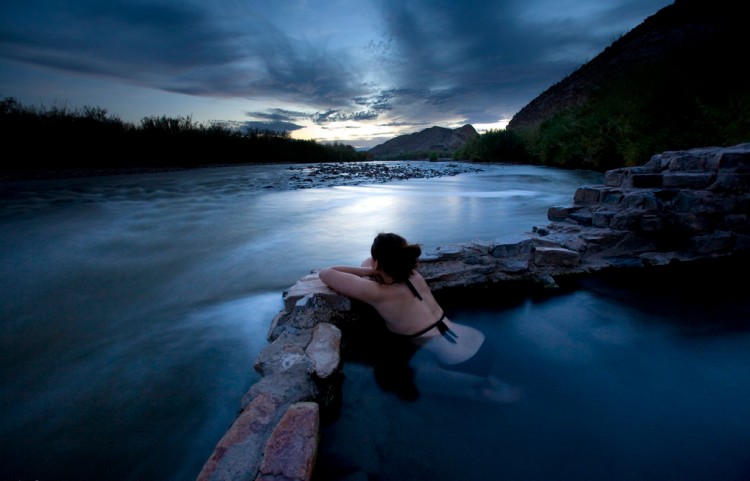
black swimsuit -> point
(445, 331)
(479, 364)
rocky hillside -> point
(433, 139)
(704, 33)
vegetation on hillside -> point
(431, 155)
(651, 111)
(625, 122)
(495, 146)
(676, 82)
(89, 138)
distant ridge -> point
(433, 139)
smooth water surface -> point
(621, 379)
(134, 306)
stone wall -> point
(679, 207)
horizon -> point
(358, 73)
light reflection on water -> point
(134, 306)
(615, 386)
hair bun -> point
(395, 256)
(413, 251)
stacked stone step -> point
(693, 201)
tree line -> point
(627, 122)
(90, 138)
(692, 90)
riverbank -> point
(301, 176)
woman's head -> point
(394, 255)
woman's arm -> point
(350, 281)
(362, 271)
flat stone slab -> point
(556, 256)
(291, 450)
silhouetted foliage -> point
(431, 155)
(89, 138)
(691, 92)
(651, 111)
(494, 146)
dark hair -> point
(395, 256)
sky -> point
(352, 71)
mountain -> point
(691, 35)
(433, 139)
(678, 80)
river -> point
(133, 307)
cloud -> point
(374, 105)
(273, 126)
(200, 49)
(386, 62)
(484, 60)
(114, 38)
(279, 115)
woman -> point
(390, 283)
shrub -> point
(90, 138)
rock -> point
(554, 256)
(292, 448)
(688, 180)
(285, 352)
(239, 452)
(587, 195)
(555, 214)
(716, 242)
(324, 349)
(513, 249)
(285, 387)
(307, 303)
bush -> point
(495, 146)
(90, 138)
(692, 97)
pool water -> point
(626, 376)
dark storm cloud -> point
(273, 126)
(374, 105)
(257, 125)
(279, 115)
(378, 102)
(113, 38)
(174, 46)
(482, 59)
(421, 61)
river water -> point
(134, 306)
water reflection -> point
(618, 384)
(134, 306)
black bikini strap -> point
(413, 289)
(445, 331)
